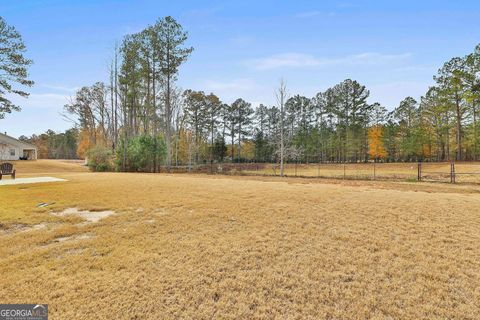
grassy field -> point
(203, 247)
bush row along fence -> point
(459, 172)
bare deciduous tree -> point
(282, 96)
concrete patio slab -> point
(6, 182)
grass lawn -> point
(203, 247)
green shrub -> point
(142, 153)
(100, 159)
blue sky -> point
(243, 48)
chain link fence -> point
(447, 172)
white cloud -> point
(243, 84)
(347, 5)
(283, 60)
(300, 60)
(229, 91)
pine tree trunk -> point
(459, 130)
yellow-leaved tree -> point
(376, 148)
(83, 144)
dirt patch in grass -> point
(89, 216)
(21, 228)
(84, 236)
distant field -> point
(229, 247)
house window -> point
(12, 152)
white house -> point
(14, 149)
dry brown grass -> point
(241, 247)
(47, 167)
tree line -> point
(188, 127)
(142, 120)
(53, 145)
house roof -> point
(11, 140)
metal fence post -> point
(452, 172)
(374, 171)
(419, 175)
(344, 169)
